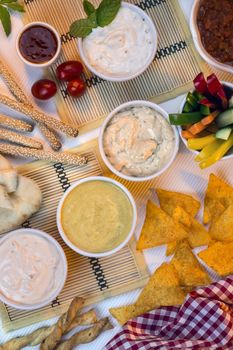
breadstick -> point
(12, 84)
(38, 116)
(20, 139)
(62, 325)
(51, 136)
(21, 97)
(36, 337)
(86, 336)
(62, 157)
(15, 123)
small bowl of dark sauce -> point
(38, 44)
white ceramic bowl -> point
(198, 43)
(229, 154)
(62, 278)
(45, 64)
(106, 122)
(128, 237)
(146, 64)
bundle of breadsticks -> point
(52, 337)
(14, 143)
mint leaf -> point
(15, 7)
(5, 19)
(107, 11)
(93, 19)
(88, 7)
(81, 28)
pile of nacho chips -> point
(168, 286)
(174, 224)
(175, 221)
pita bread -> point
(9, 179)
(5, 202)
(26, 200)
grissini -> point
(16, 90)
(51, 136)
(12, 84)
(38, 116)
(36, 337)
(15, 123)
(51, 156)
(86, 336)
(62, 325)
(14, 137)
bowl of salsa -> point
(211, 25)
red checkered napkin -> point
(204, 321)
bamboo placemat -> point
(171, 73)
(94, 279)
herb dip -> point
(138, 141)
(96, 216)
(123, 47)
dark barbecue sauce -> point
(38, 44)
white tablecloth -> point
(184, 175)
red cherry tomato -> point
(44, 89)
(76, 87)
(69, 70)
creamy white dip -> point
(122, 47)
(29, 268)
(138, 141)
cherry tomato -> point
(76, 87)
(69, 70)
(44, 89)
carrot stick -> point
(203, 124)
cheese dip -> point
(30, 269)
(96, 216)
(121, 48)
(138, 141)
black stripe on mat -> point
(171, 50)
(98, 272)
(62, 177)
(148, 4)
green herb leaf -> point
(93, 19)
(16, 7)
(81, 28)
(88, 7)
(5, 19)
(107, 11)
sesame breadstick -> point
(20, 139)
(51, 136)
(15, 123)
(12, 84)
(38, 116)
(62, 157)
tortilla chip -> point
(222, 228)
(218, 197)
(159, 228)
(189, 270)
(219, 256)
(171, 247)
(197, 234)
(125, 313)
(162, 290)
(170, 200)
